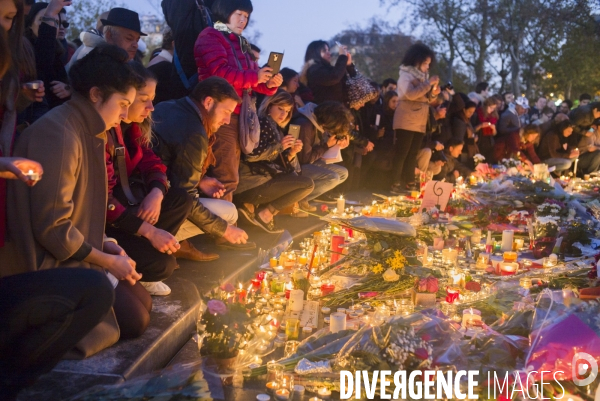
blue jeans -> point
(559, 163)
(325, 176)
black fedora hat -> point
(124, 18)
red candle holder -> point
(255, 284)
(452, 295)
(327, 288)
(260, 276)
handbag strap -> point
(188, 83)
(121, 166)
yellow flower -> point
(398, 261)
(378, 268)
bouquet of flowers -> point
(478, 158)
(224, 327)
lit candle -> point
(324, 393)
(241, 293)
(272, 387)
(282, 394)
(303, 259)
(509, 256)
(470, 315)
(327, 288)
(519, 243)
(483, 260)
(452, 295)
(576, 162)
(341, 204)
(508, 269)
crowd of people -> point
(108, 166)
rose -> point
(228, 287)
(429, 284)
(432, 285)
(390, 275)
(216, 307)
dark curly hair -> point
(106, 68)
(222, 9)
(334, 117)
(417, 54)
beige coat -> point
(64, 213)
(51, 221)
(413, 106)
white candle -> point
(341, 204)
(324, 393)
(507, 240)
(296, 300)
(575, 168)
(337, 322)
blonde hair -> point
(281, 98)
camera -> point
(448, 86)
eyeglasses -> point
(65, 24)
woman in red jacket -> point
(224, 52)
(143, 213)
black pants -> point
(407, 147)
(150, 262)
(43, 315)
(281, 191)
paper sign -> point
(309, 315)
(437, 194)
(333, 155)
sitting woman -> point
(60, 222)
(143, 213)
(269, 180)
(462, 129)
(555, 150)
(453, 168)
(525, 148)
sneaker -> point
(304, 205)
(157, 288)
(268, 227)
(248, 215)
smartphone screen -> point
(274, 62)
(294, 131)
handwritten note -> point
(437, 194)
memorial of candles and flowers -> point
(503, 279)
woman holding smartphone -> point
(270, 174)
(224, 52)
(416, 90)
